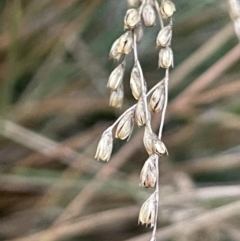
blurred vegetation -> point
(54, 67)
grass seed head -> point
(148, 176)
(114, 54)
(156, 102)
(135, 83)
(148, 15)
(167, 9)
(140, 115)
(104, 148)
(165, 58)
(116, 77)
(116, 98)
(164, 36)
(125, 126)
(132, 18)
(147, 212)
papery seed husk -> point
(156, 102)
(164, 36)
(135, 82)
(116, 77)
(125, 126)
(148, 140)
(148, 176)
(104, 148)
(147, 212)
(132, 18)
(140, 115)
(148, 15)
(167, 9)
(116, 98)
(125, 43)
(158, 146)
(165, 59)
(114, 54)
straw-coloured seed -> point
(165, 59)
(156, 102)
(116, 77)
(148, 15)
(132, 18)
(104, 148)
(125, 43)
(114, 54)
(152, 144)
(135, 82)
(116, 98)
(148, 176)
(167, 9)
(147, 212)
(140, 115)
(125, 126)
(164, 36)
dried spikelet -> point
(104, 148)
(147, 212)
(152, 144)
(167, 9)
(125, 126)
(165, 59)
(156, 102)
(148, 15)
(116, 77)
(164, 36)
(116, 98)
(114, 54)
(135, 82)
(148, 176)
(140, 115)
(125, 43)
(132, 18)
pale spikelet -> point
(116, 77)
(104, 148)
(114, 54)
(148, 15)
(152, 144)
(148, 176)
(147, 212)
(147, 140)
(125, 126)
(165, 59)
(156, 102)
(167, 9)
(164, 36)
(125, 43)
(132, 18)
(140, 115)
(116, 98)
(135, 82)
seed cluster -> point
(141, 14)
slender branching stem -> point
(165, 103)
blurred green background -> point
(54, 67)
